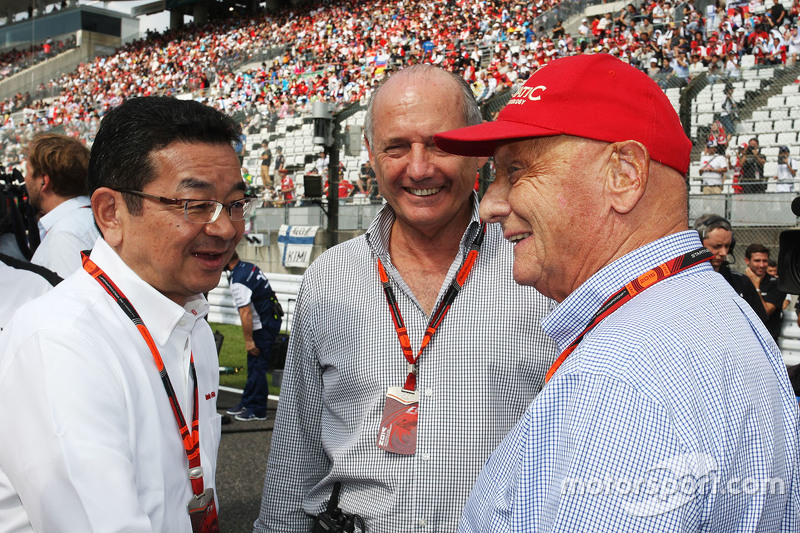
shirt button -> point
(181, 323)
(429, 392)
(425, 456)
(422, 522)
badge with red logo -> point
(398, 429)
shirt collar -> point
(571, 316)
(381, 228)
(61, 210)
(161, 315)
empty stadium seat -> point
(782, 125)
(762, 126)
(786, 137)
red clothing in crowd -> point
(287, 188)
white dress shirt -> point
(90, 442)
(66, 231)
(18, 287)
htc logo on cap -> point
(524, 94)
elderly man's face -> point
(180, 258)
(427, 188)
(546, 195)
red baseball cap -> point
(591, 96)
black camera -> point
(17, 217)
(334, 520)
(789, 256)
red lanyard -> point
(438, 315)
(191, 440)
(631, 289)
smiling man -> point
(427, 285)
(756, 257)
(669, 408)
(113, 375)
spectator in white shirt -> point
(713, 167)
(787, 171)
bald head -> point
(462, 91)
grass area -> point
(233, 355)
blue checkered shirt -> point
(675, 413)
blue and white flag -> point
(295, 244)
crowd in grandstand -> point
(13, 61)
(339, 52)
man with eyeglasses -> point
(113, 375)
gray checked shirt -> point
(477, 376)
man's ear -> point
(109, 211)
(369, 151)
(627, 175)
(47, 184)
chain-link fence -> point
(746, 150)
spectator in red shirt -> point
(287, 186)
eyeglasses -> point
(204, 211)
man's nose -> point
(494, 205)
(420, 162)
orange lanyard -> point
(191, 439)
(437, 317)
(631, 289)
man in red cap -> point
(669, 396)
(413, 352)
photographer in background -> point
(787, 171)
(753, 169)
(56, 179)
(713, 167)
(20, 282)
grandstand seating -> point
(219, 64)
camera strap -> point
(631, 289)
(201, 507)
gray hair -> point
(472, 113)
(706, 223)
